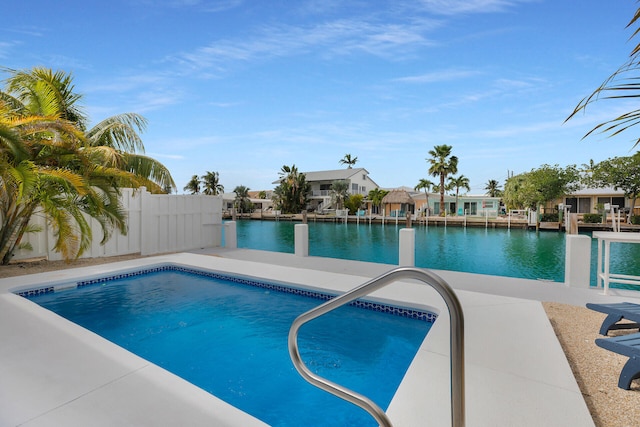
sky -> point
(243, 87)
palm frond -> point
(11, 106)
(11, 142)
(611, 88)
(41, 89)
(103, 155)
(119, 132)
(71, 181)
(148, 169)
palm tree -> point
(442, 164)
(242, 201)
(28, 183)
(51, 164)
(211, 182)
(375, 196)
(424, 184)
(339, 192)
(347, 160)
(617, 86)
(493, 188)
(193, 186)
(457, 183)
(292, 195)
(116, 138)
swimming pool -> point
(497, 252)
(137, 315)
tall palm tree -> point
(424, 184)
(442, 164)
(457, 183)
(493, 188)
(193, 186)
(339, 192)
(211, 182)
(51, 164)
(347, 160)
(242, 201)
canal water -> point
(500, 252)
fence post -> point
(148, 223)
(407, 249)
(230, 235)
(577, 267)
(301, 236)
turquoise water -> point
(500, 252)
(230, 339)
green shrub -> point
(592, 218)
(549, 217)
(635, 220)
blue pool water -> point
(499, 252)
(231, 340)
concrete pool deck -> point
(57, 373)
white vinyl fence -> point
(157, 223)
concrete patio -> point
(56, 373)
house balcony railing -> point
(327, 193)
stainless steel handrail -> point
(456, 342)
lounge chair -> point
(626, 345)
(615, 313)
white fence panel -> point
(180, 223)
(157, 223)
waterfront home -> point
(358, 181)
(398, 203)
(471, 205)
(259, 204)
(594, 200)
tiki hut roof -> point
(398, 196)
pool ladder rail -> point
(456, 342)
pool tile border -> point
(364, 304)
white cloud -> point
(438, 76)
(206, 5)
(455, 7)
(5, 48)
(334, 38)
(166, 156)
(26, 30)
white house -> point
(259, 204)
(358, 181)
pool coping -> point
(509, 380)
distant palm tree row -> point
(210, 182)
(209, 185)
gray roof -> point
(334, 174)
(331, 175)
